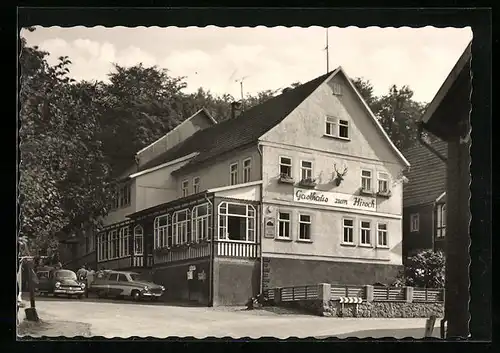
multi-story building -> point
(303, 188)
(424, 199)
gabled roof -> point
(460, 65)
(250, 125)
(242, 130)
(427, 174)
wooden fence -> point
(369, 293)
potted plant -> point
(285, 179)
(308, 182)
(367, 192)
(386, 193)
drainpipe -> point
(427, 145)
(261, 284)
(211, 266)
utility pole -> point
(327, 53)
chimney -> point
(235, 109)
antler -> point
(339, 173)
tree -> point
(365, 88)
(424, 269)
(141, 105)
(62, 174)
(398, 114)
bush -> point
(424, 269)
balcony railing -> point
(182, 253)
(236, 249)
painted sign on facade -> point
(335, 199)
(270, 228)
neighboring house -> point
(424, 199)
(304, 188)
(447, 117)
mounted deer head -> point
(339, 175)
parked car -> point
(59, 282)
(119, 284)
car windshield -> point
(65, 274)
(135, 277)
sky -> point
(265, 58)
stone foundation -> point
(370, 309)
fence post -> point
(408, 294)
(369, 293)
(324, 292)
(277, 295)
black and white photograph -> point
(244, 182)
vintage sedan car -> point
(119, 284)
(59, 282)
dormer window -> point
(335, 127)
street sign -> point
(189, 275)
(192, 268)
(202, 276)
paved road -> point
(124, 319)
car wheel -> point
(136, 295)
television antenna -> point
(327, 53)
(240, 80)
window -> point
(124, 242)
(122, 277)
(344, 129)
(365, 233)
(138, 240)
(306, 170)
(113, 245)
(196, 185)
(201, 216)
(100, 247)
(414, 222)
(284, 225)
(336, 127)
(366, 180)
(162, 236)
(180, 227)
(233, 174)
(304, 227)
(113, 277)
(105, 243)
(247, 166)
(87, 244)
(383, 183)
(286, 166)
(441, 221)
(121, 196)
(237, 222)
(331, 126)
(382, 235)
(348, 230)
(185, 188)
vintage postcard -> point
(243, 182)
